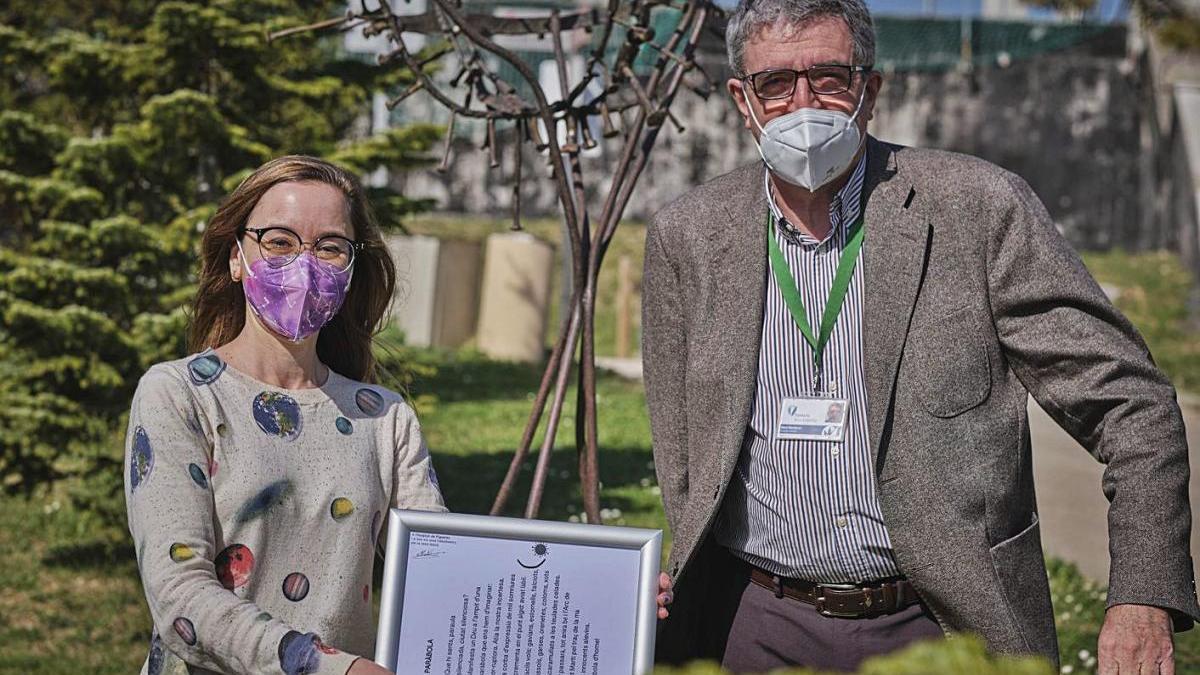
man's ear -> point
(738, 94)
(874, 84)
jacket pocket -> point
(950, 364)
(1021, 573)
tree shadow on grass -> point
(102, 552)
(469, 481)
(453, 376)
(462, 375)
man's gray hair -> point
(751, 16)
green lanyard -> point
(837, 292)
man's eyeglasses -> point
(826, 80)
(279, 246)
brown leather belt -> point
(859, 601)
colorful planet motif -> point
(181, 552)
(141, 459)
(343, 425)
(198, 476)
(234, 566)
(267, 499)
(186, 631)
(277, 414)
(369, 401)
(205, 369)
(298, 654)
(154, 662)
(375, 527)
(295, 587)
(340, 508)
(263, 616)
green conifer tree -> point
(122, 125)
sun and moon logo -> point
(540, 552)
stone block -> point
(515, 297)
(437, 289)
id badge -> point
(813, 418)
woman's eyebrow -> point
(321, 233)
(334, 233)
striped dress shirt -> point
(809, 509)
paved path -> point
(1071, 507)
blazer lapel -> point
(739, 253)
(894, 256)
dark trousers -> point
(770, 632)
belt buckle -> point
(831, 613)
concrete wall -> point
(1171, 133)
(1074, 123)
(1067, 123)
(1182, 206)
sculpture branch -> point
(628, 87)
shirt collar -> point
(843, 210)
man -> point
(923, 293)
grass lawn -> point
(1154, 289)
(473, 411)
(72, 603)
(68, 604)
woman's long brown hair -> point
(219, 310)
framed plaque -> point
(483, 595)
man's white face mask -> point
(808, 147)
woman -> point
(258, 470)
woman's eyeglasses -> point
(279, 246)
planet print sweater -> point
(255, 512)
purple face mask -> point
(295, 300)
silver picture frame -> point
(403, 523)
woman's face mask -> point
(297, 299)
(808, 147)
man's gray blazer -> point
(972, 299)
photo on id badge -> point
(812, 418)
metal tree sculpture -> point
(631, 107)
